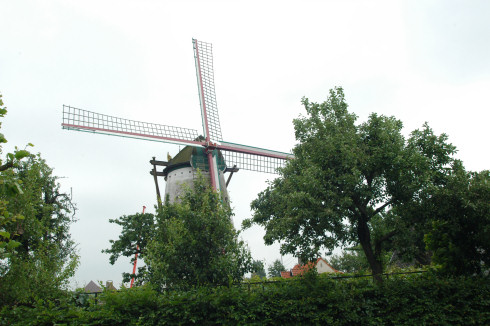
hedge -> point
(404, 300)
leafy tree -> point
(350, 261)
(258, 268)
(10, 188)
(460, 228)
(344, 180)
(137, 231)
(276, 268)
(194, 242)
(50, 211)
(46, 257)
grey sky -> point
(417, 60)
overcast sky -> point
(417, 60)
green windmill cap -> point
(193, 157)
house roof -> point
(299, 269)
(91, 287)
(110, 286)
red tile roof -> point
(299, 269)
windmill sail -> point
(203, 56)
(244, 157)
(253, 158)
(83, 120)
(253, 162)
(235, 155)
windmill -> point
(207, 151)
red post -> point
(212, 170)
(136, 258)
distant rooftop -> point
(91, 287)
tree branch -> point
(6, 166)
(377, 245)
(379, 209)
(361, 208)
(387, 236)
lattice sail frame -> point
(203, 56)
(253, 162)
(83, 120)
(243, 156)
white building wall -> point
(186, 175)
(323, 267)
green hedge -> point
(405, 300)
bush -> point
(413, 299)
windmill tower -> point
(182, 169)
(207, 152)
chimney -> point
(110, 286)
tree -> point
(46, 257)
(276, 268)
(137, 231)
(36, 252)
(258, 268)
(10, 188)
(460, 222)
(350, 261)
(50, 211)
(194, 242)
(344, 180)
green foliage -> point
(353, 260)
(402, 300)
(460, 233)
(276, 268)
(345, 180)
(258, 268)
(10, 188)
(137, 231)
(36, 252)
(350, 261)
(45, 257)
(195, 243)
(48, 211)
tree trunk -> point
(364, 236)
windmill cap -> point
(194, 157)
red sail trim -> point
(133, 134)
(254, 151)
